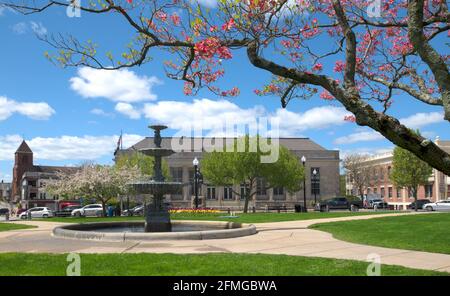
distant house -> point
(438, 187)
(28, 184)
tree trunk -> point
(364, 114)
(247, 198)
(415, 199)
(104, 208)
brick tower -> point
(23, 162)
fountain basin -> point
(134, 231)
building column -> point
(270, 192)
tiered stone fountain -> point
(157, 217)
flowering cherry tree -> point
(94, 181)
(322, 49)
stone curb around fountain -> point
(225, 230)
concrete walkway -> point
(289, 238)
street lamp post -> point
(195, 163)
(315, 186)
(304, 183)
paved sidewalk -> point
(289, 238)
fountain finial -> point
(157, 138)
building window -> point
(261, 187)
(227, 193)
(428, 190)
(177, 174)
(399, 192)
(245, 189)
(278, 191)
(390, 192)
(32, 195)
(315, 181)
(375, 190)
(382, 192)
(210, 192)
(42, 195)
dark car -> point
(339, 203)
(4, 211)
(136, 211)
(420, 203)
(67, 211)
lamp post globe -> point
(303, 159)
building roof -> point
(189, 143)
(55, 169)
(24, 148)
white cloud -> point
(40, 111)
(20, 28)
(38, 28)
(66, 147)
(359, 137)
(128, 110)
(419, 120)
(214, 115)
(116, 85)
(101, 112)
(207, 3)
(414, 121)
(316, 118)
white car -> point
(88, 210)
(443, 205)
(38, 212)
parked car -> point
(443, 205)
(38, 212)
(4, 211)
(420, 204)
(380, 205)
(95, 210)
(339, 203)
(66, 212)
(136, 211)
(20, 211)
(371, 202)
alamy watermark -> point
(74, 8)
(228, 136)
(374, 268)
(74, 267)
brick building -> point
(325, 184)
(28, 180)
(438, 187)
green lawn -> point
(5, 226)
(429, 232)
(191, 265)
(243, 218)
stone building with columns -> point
(438, 187)
(325, 184)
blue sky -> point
(73, 114)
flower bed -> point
(194, 211)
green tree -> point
(409, 171)
(244, 167)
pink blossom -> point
(317, 67)
(339, 66)
(228, 25)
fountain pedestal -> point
(157, 217)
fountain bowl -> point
(134, 231)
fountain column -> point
(157, 217)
